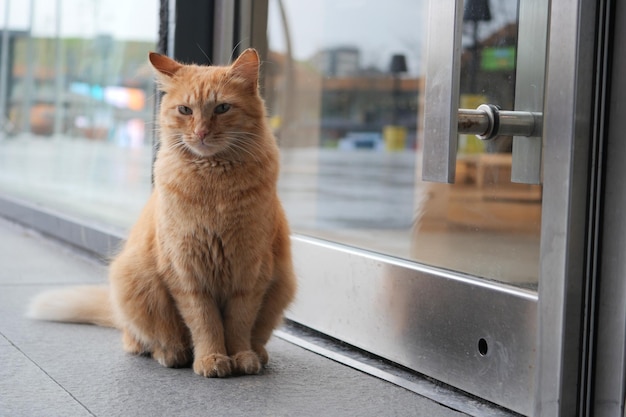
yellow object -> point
(394, 137)
(470, 144)
(276, 122)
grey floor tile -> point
(26, 258)
(26, 390)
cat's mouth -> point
(204, 148)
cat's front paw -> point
(172, 358)
(262, 354)
(214, 365)
(247, 362)
(131, 344)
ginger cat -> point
(206, 272)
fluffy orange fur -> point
(206, 272)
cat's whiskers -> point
(248, 143)
(236, 147)
(175, 142)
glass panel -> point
(78, 107)
(344, 99)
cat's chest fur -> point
(208, 219)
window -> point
(77, 108)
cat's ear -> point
(247, 67)
(163, 64)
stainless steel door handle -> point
(488, 121)
(443, 120)
(441, 98)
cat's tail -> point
(86, 304)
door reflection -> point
(345, 100)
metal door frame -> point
(606, 389)
(573, 80)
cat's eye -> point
(184, 110)
(221, 108)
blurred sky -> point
(123, 19)
(378, 28)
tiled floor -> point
(52, 369)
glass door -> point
(370, 103)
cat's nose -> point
(200, 133)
